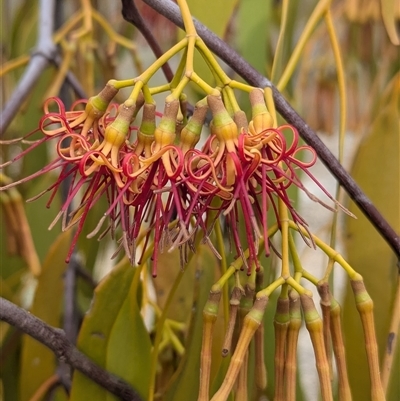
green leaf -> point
(38, 363)
(376, 170)
(252, 40)
(113, 335)
(180, 307)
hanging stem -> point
(251, 323)
(281, 324)
(210, 313)
(284, 223)
(339, 351)
(392, 341)
(365, 308)
(325, 302)
(315, 328)
(291, 346)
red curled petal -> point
(77, 142)
(301, 163)
(295, 140)
(59, 104)
(130, 165)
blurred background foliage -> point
(96, 44)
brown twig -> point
(65, 351)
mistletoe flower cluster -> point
(159, 187)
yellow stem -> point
(123, 41)
(269, 101)
(342, 117)
(224, 278)
(308, 276)
(240, 86)
(281, 324)
(271, 288)
(340, 353)
(224, 267)
(27, 247)
(315, 328)
(209, 90)
(284, 222)
(332, 253)
(325, 302)
(190, 55)
(206, 53)
(392, 341)
(210, 313)
(159, 330)
(147, 95)
(291, 346)
(62, 71)
(231, 95)
(296, 286)
(365, 308)
(180, 70)
(45, 387)
(298, 268)
(174, 340)
(251, 323)
(13, 64)
(68, 26)
(260, 368)
(176, 93)
(232, 313)
(146, 75)
(281, 40)
(241, 388)
(87, 21)
(316, 15)
(341, 81)
(187, 18)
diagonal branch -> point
(171, 11)
(65, 351)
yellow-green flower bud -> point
(115, 134)
(261, 118)
(164, 134)
(190, 134)
(97, 105)
(222, 124)
(145, 135)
